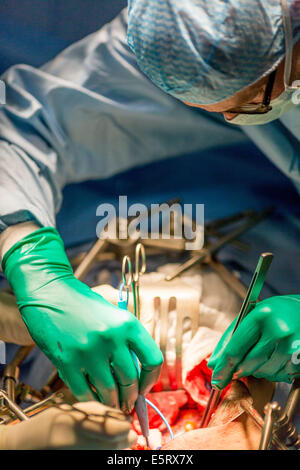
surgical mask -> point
(284, 102)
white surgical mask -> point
(285, 101)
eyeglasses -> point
(262, 108)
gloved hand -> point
(266, 344)
(87, 338)
(87, 426)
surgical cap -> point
(204, 51)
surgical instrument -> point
(171, 307)
(120, 245)
(11, 371)
(89, 259)
(212, 249)
(140, 404)
(132, 279)
(12, 406)
(293, 401)
(278, 429)
(142, 401)
(258, 420)
(278, 426)
(248, 305)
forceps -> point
(249, 303)
(132, 279)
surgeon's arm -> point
(86, 338)
(13, 234)
(70, 121)
(41, 149)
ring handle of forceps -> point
(140, 261)
(126, 263)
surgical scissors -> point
(132, 279)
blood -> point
(183, 409)
(197, 384)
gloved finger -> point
(256, 358)
(280, 367)
(287, 373)
(78, 385)
(277, 375)
(244, 338)
(150, 357)
(272, 363)
(100, 376)
(127, 377)
(217, 353)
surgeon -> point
(125, 96)
(242, 59)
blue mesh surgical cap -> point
(204, 51)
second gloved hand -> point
(266, 344)
(87, 338)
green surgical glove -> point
(87, 338)
(266, 344)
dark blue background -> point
(33, 31)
